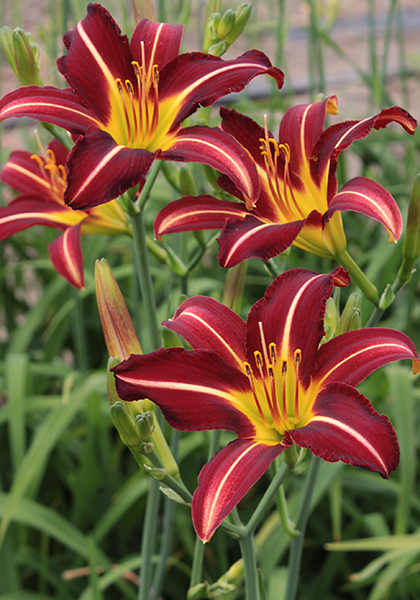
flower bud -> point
(387, 297)
(125, 425)
(218, 49)
(351, 315)
(330, 319)
(145, 425)
(411, 244)
(241, 19)
(22, 54)
(214, 21)
(120, 336)
(226, 24)
(110, 381)
(201, 590)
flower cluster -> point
(270, 380)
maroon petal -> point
(246, 131)
(292, 316)
(209, 325)
(225, 480)
(368, 198)
(352, 356)
(66, 256)
(161, 43)
(196, 390)
(97, 55)
(195, 79)
(193, 213)
(212, 146)
(346, 427)
(100, 170)
(48, 104)
(253, 238)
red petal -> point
(352, 356)
(212, 146)
(48, 104)
(21, 214)
(100, 170)
(209, 325)
(346, 427)
(292, 316)
(225, 480)
(23, 174)
(193, 213)
(66, 256)
(97, 55)
(161, 42)
(246, 131)
(338, 137)
(253, 238)
(196, 390)
(371, 199)
(196, 79)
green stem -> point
(297, 542)
(145, 279)
(268, 498)
(148, 541)
(150, 181)
(79, 333)
(369, 290)
(246, 544)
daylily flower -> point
(270, 382)
(299, 203)
(41, 181)
(127, 102)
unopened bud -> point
(125, 425)
(110, 380)
(22, 54)
(186, 181)
(411, 244)
(213, 25)
(226, 24)
(218, 49)
(145, 425)
(330, 319)
(348, 320)
(241, 19)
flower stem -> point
(246, 544)
(297, 542)
(149, 539)
(369, 290)
(268, 497)
(145, 278)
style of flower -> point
(127, 102)
(269, 381)
(299, 203)
(41, 181)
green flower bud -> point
(22, 54)
(353, 305)
(125, 425)
(214, 21)
(110, 381)
(411, 244)
(330, 319)
(186, 180)
(387, 298)
(145, 425)
(241, 19)
(226, 24)
(218, 49)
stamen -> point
(248, 370)
(298, 358)
(285, 416)
(127, 118)
(263, 344)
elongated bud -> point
(387, 297)
(110, 380)
(22, 54)
(218, 49)
(330, 319)
(411, 244)
(125, 425)
(214, 22)
(226, 24)
(145, 425)
(351, 314)
(120, 336)
(212, 7)
(241, 19)
(186, 180)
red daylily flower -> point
(299, 203)
(41, 181)
(127, 102)
(270, 382)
